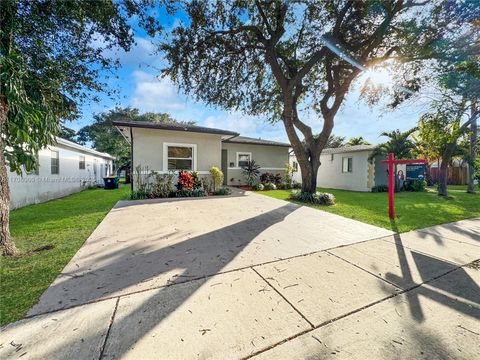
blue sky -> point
(139, 86)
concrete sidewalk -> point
(271, 294)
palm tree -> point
(357, 141)
(400, 144)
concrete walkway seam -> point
(284, 298)
(353, 312)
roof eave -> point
(175, 128)
(253, 143)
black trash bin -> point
(111, 182)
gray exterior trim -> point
(253, 141)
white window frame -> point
(343, 160)
(165, 155)
(82, 159)
(242, 153)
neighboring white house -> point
(64, 168)
(174, 147)
(347, 168)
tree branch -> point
(264, 18)
(316, 57)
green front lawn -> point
(64, 223)
(414, 210)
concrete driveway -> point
(247, 276)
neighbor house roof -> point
(254, 141)
(347, 149)
(173, 127)
(76, 146)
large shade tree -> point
(277, 57)
(452, 81)
(51, 55)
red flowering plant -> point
(185, 180)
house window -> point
(347, 164)
(180, 157)
(331, 157)
(95, 162)
(81, 162)
(55, 162)
(243, 159)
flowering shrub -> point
(185, 180)
(197, 181)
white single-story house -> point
(347, 168)
(64, 168)
(173, 147)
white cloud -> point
(154, 94)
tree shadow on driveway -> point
(194, 258)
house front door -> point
(225, 166)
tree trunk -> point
(443, 178)
(428, 174)
(443, 170)
(7, 247)
(473, 156)
(309, 177)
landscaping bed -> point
(48, 235)
(153, 185)
(414, 210)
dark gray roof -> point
(254, 141)
(345, 149)
(174, 127)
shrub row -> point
(272, 186)
(152, 185)
(317, 198)
(410, 185)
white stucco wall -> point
(330, 173)
(28, 189)
(270, 158)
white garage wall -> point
(31, 188)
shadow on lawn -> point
(199, 256)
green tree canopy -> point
(399, 143)
(103, 135)
(357, 141)
(335, 141)
(51, 59)
(275, 57)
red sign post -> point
(391, 179)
